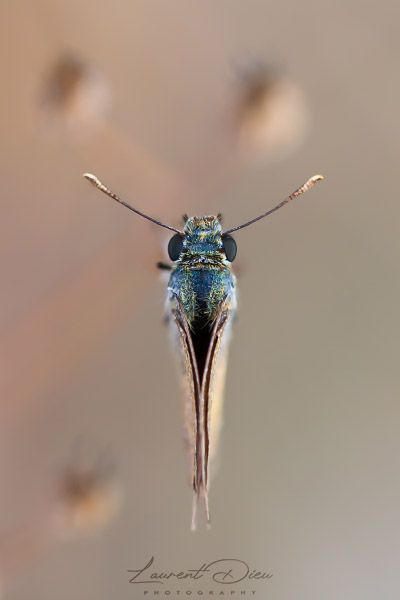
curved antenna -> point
(97, 183)
(306, 186)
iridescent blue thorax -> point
(202, 276)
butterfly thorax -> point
(202, 276)
(202, 245)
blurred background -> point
(199, 108)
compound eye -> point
(175, 246)
(230, 247)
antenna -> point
(97, 183)
(306, 186)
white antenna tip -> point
(92, 178)
(316, 178)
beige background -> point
(309, 481)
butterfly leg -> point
(163, 266)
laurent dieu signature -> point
(224, 571)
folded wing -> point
(204, 359)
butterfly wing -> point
(202, 399)
(191, 392)
(212, 387)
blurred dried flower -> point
(74, 99)
(88, 498)
(269, 112)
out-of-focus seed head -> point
(74, 99)
(87, 500)
(269, 112)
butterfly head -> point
(202, 240)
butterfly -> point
(200, 306)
